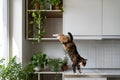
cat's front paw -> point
(55, 35)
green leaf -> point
(33, 14)
(31, 22)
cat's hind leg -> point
(79, 69)
(74, 68)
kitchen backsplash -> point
(100, 53)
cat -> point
(70, 48)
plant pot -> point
(56, 7)
(37, 68)
(37, 6)
(64, 67)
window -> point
(1, 28)
(4, 29)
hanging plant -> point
(37, 21)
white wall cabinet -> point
(82, 17)
(92, 18)
(111, 17)
(85, 19)
(85, 78)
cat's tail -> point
(71, 37)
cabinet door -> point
(85, 79)
(111, 17)
(82, 17)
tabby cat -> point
(70, 48)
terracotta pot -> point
(57, 7)
(64, 67)
(36, 6)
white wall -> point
(18, 45)
(26, 45)
(100, 54)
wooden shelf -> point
(48, 72)
(45, 10)
(50, 13)
(45, 39)
(52, 24)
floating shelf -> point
(50, 13)
(45, 39)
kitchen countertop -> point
(86, 73)
(93, 73)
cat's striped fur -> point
(71, 49)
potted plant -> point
(38, 61)
(55, 64)
(12, 71)
(64, 66)
(15, 71)
(39, 4)
(28, 69)
(37, 22)
(57, 4)
(36, 4)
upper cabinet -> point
(83, 18)
(92, 19)
(111, 18)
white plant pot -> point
(37, 68)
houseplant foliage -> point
(39, 4)
(57, 4)
(13, 70)
(55, 64)
(29, 72)
(39, 60)
(64, 66)
(38, 19)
